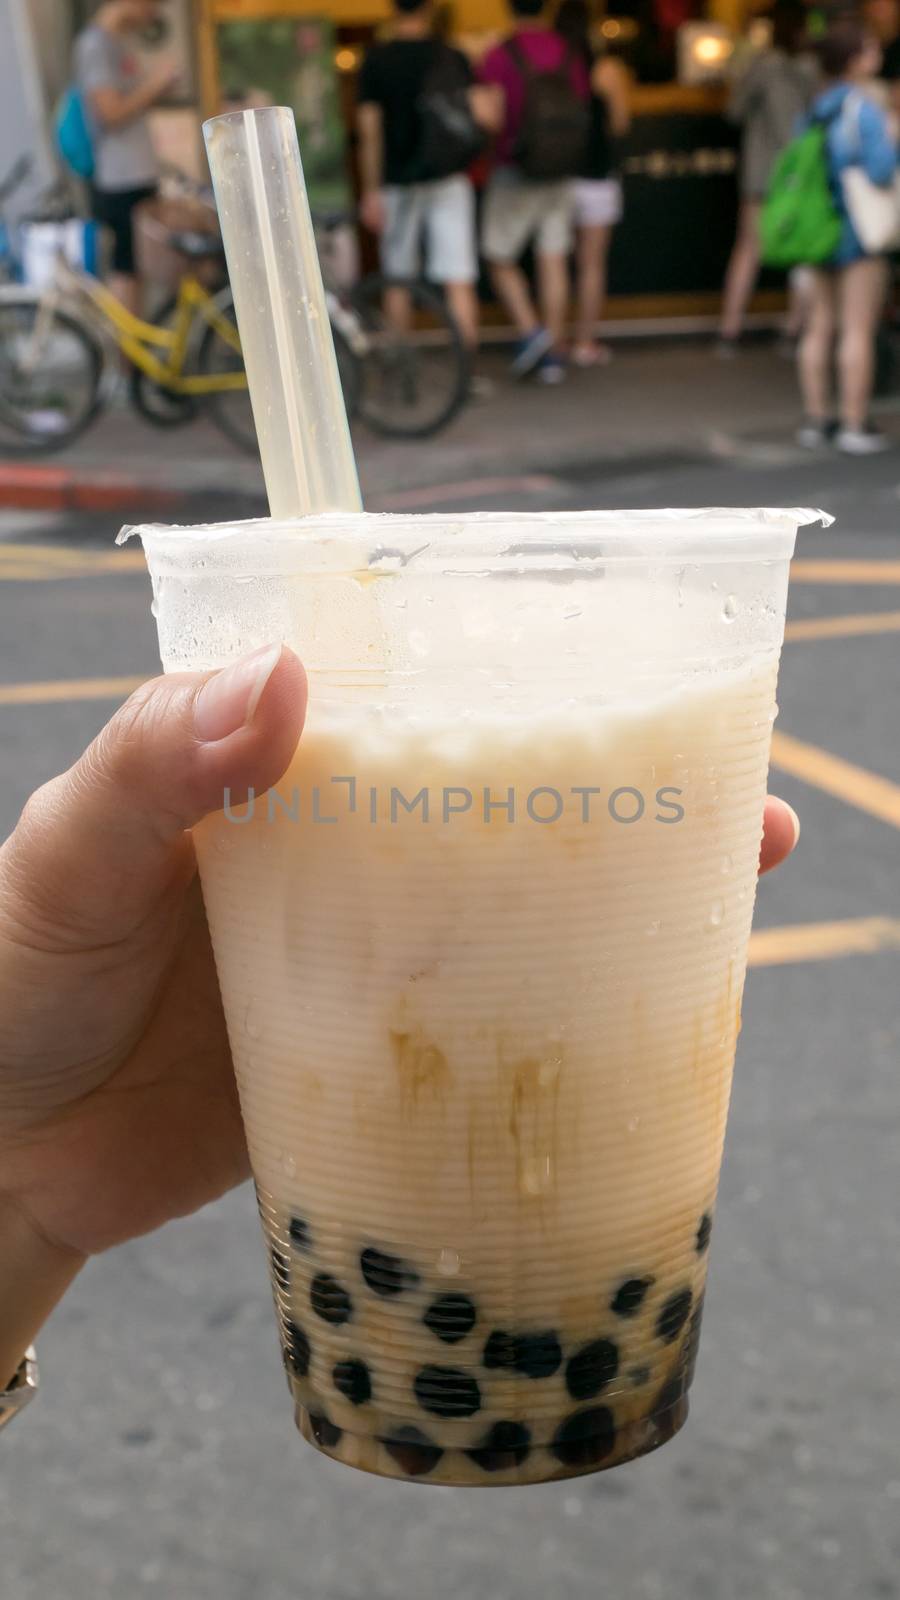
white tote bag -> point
(874, 208)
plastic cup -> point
(482, 953)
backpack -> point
(800, 224)
(553, 137)
(450, 139)
(74, 140)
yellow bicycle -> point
(55, 349)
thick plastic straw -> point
(279, 297)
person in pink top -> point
(539, 151)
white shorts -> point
(438, 216)
(598, 202)
(518, 211)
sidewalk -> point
(655, 402)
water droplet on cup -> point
(633, 1124)
(448, 1263)
(730, 609)
(716, 914)
(653, 928)
(288, 1164)
(727, 864)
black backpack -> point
(553, 138)
(450, 139)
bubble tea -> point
(482, 952)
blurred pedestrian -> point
(767, 100)
(117, 96)
(415, 187)
(598, 187)
(883, 18)
(847, 297)
(541, 148)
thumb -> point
(97, 849)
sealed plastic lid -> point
(504, 540)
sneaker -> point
(862, 442)
(551, 371)
(813, 435)
(530, 352)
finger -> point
(781, 830)
(99, 847)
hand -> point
(372, 211)
(118, 1108)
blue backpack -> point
(74, 140)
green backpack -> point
(800, 224)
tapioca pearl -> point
(505, 1445)
(281, 1269)
(630, 1296)
(352, 1379)
(500, 1350)
(692, 1342)
(447, 1392)
(386, 1275)
(673, 1315)
(299, 1233)
(330, 1300)
(538, 1355)
(585, 1438)
(451, 1317)
(413, 1451)
(591, 1369)
(704, 1230)
(325, 1432)
(668, 1396)
(297, 1349)
(534, 1355)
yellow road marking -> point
(34, 694)
(806, 570)
(842, 627)
(823, 941)
(865, 790)
(34, 563)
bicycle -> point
(55, 349)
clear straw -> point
(279, 298)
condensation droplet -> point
(633, 1124)
(288, 1164)
(716, 914)
(448, 1263)
(727, 864)
(653, 928)
(536, 1175)
(730, 608)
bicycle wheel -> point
(230, 409)
(50, 371)
(414, 366)
(164, 408)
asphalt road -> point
(161, 1459)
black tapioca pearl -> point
(505, 1445)
(538, 1355)
(324, 1431)
(352, 1380)
(669, 1396)
(534, 1355)
(630, 1296)
(329, 1299)
(447, 1392)
(703, 1233)
(585, 1438)
(281, 1269)
(500, 1350)
(692, 1342)
(591, 1369)
(300, 1234)
(297, 1350)
(413, 1451)
(386, 1275)
(450, 1317)
(674, 1315)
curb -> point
(26, 487)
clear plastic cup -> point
(482, 953)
